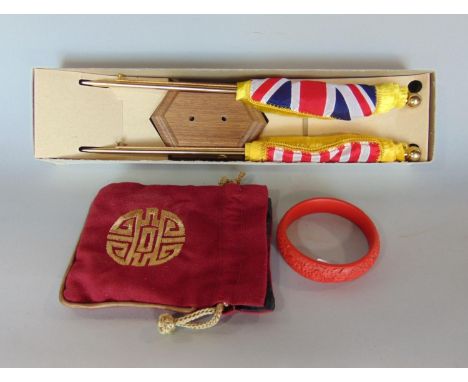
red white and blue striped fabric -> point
(315, 98)
(366, 152)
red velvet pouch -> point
(182, 248)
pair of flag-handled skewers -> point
(306, 98)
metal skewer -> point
(148, 83)
(224, 151)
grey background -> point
(410, 310)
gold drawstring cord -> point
(225, 180)
(167, 323)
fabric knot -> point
(166, 324)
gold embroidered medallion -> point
(145, 237)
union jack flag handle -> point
(299, 97)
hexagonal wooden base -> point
(206, 119)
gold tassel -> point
(225, 180)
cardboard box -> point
(68, 115)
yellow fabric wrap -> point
(389, 96)
(256, 151)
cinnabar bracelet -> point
(318, 270)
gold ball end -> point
(414, 100)
(413, 153)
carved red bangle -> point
(318, 270)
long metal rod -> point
(163, 150)
(413, 152)
(148, 83)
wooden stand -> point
(206, 120)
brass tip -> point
(414, 100)
(413, 153)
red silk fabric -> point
(224, 257)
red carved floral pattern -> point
(325, 272)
